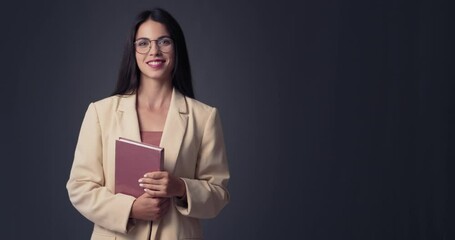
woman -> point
(153, 102)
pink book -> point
(132, 160)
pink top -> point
(150, 137)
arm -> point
(86, 185)
(207, 194)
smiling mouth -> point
(156, 63)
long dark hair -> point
(129, 74)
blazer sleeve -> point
(85, 186)
(207, 194)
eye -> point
(165, 41)
(142, 43)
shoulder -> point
(191, 106)
(110, 101)
(109, 105)
(206, 119)
(116, 101)
(203, 114)
(199, 107)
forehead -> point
(152, 30)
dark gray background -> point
(338, 115)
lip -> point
(156, 63)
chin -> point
(158, 77)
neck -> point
(154, 95)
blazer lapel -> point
(174, 130)
(174, 127)
(127, 118)
(171, 140)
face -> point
(156, 64)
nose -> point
(154, 49)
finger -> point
(156, 175)
(146, 180)
(157, 201)
(154, 193)
(153, 187)
(161, 181)
(162, 210)
(144, 196)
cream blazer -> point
(194, 150)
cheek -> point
(172, 62)
(140, 62)
(139, 58)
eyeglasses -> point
(143, 45)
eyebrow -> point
(160, 37)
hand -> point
(149, 208)
(162, 184)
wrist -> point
(132, 211)
(182, 192)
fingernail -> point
(140, 180)
(141, 184)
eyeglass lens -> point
(144, 45)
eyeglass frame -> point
(150, 44)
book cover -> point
(132, 160)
